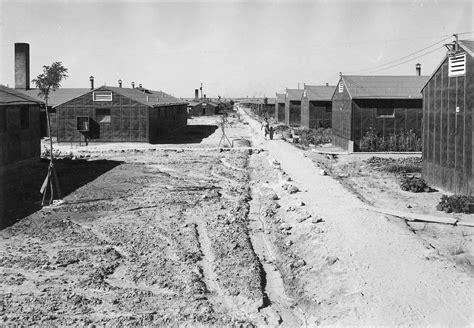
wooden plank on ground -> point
(413, 216)
(465, 223)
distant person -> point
(266, 127)
(271, 132)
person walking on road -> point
(266, 127)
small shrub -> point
(414, 184)
(314, 136)
(400, 165)
(369, 141)
(456, 204)
(402, 168)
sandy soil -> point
(185, 234)
(382, 190)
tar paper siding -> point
(211, 109)
(18, 144)
(408, 114)
(293, 112)
(130, 120)
(195, 110)
(316, 114)
(268, 110)
(352, 118)
(280, 112)
(164, 120)
(448, 139)
(342, 119)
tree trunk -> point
(51, 170)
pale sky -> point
(235, 48)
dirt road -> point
(185, 234)
(366, 270)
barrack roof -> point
(280, 97)
(319, 92)
(57, 97)
(294, 94)
(147, 97)
(384, 86)
(10, 96)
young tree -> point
(46, 82)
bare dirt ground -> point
(381, 189)
(182, 234)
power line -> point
(401, 58)
(406, 61)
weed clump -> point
(456, 204)
(396, 166)
(314, 136)
(414, 184)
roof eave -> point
(391, 97)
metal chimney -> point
(91, 78)
(418, 69)
(120, 83)
(133, 85)
(22, 66)
(196, 94)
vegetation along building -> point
(448, 120)
(384, 105)
(316, 106)
(293, 107)
(280, 107)
(19, 126)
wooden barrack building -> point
(120, 115)
(316, 106)
(280, 107)
(19, 126)
(293, 107)
(386, 104)
(448, 111)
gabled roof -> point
(466, 45)
(59, 96)
(319, 92)
(212, 103)
(384, 86)
(280, 97)
(62, 95)
(10, 96)
(251, 101)
(147, 97)
(271, 101)
(194, 103)
(294, 94)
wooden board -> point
(413, 216)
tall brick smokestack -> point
(22, 66)
(196, 94)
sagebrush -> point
(456, 204)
